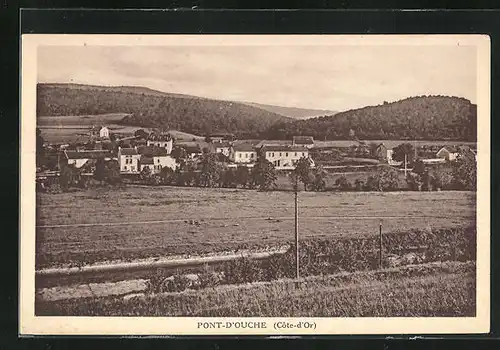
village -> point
(148, 152)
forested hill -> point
(150, 108)
(415, 118)
(424, 118)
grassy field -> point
(436, 289)
(60, 129)
(139, 222)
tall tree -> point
(242, 176)
(264, 174)
(403, 149)
(210, 170)
(303, 171)
(465, 173)
(319, 175)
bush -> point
(343, 184)
(243, 270)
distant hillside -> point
(150, 108)
(292, 112)
(415, 118)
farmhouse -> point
(129, 160)
(160, 140)
(155, 158)
(243, 153)
(192, 151)
(304, 141)
(391, 161)
(223, 147)
(380, 152)
(79, 159)
(449, 153)
(284, 157)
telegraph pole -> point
(380, 244)
(296, 228)
(405, 164)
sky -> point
(335, 78)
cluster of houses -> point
(154, 151)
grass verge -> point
(428, 290)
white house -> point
(222, 147)
(161, 140)
(243, 153)
(129, 160)
(155, 158)
(449, 153)
(104, 133)
(284, 157)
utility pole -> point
(380, 244)
(296, 228)
(405, 164)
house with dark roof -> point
(155, 158)
(80, 158)
(163, 140)
(223, 147)
(305, 141)
(129, 160)
(192, 150)
(284, 157)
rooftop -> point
(244, 147)
(128, 151)
(221, 144)
(151, 151)
(159, 137)
(147, 160)
(283, 148)
(88, 154)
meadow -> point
(142, 222)
(64, 129)
(434, 289)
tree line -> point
(415, 118)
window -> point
(125, 167)
(286, 154)
(280, 154)
(158, 161)
(246, 155)
(295, 154)
(132, 168)
(252, 155)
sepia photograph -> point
(259, 184)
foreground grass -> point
(430, 290)
(228, 219)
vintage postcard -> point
(267, 185)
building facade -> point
(129, 160)
(243, 154)
(284, 157)
(162, 140)
(104, 133)
(222, 147)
